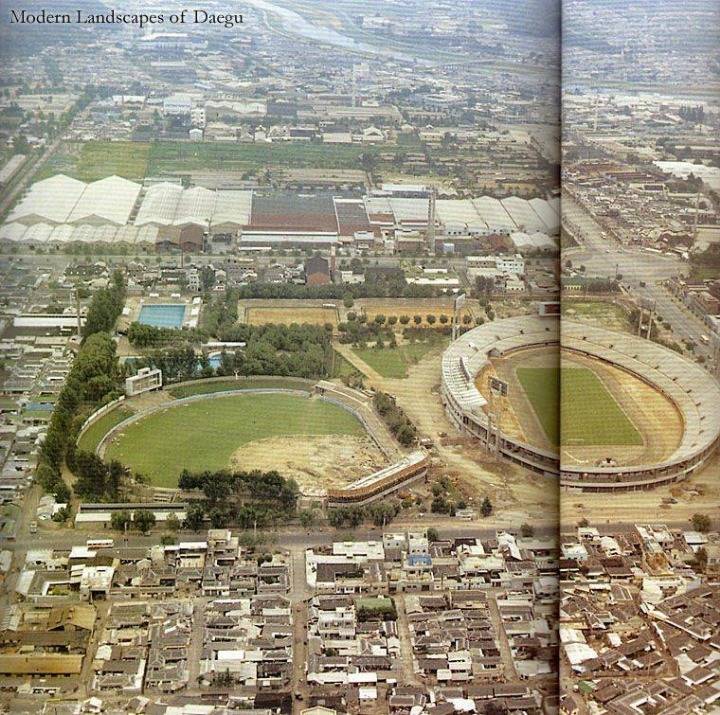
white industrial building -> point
(493, 266)
(526, 242)
(168, 204)
(62, 210)
(43, 234)
(62, 199)
(487, 214)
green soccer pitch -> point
(588, 414)
(204, 434)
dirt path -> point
(516, 494)
(299, 594)
(195, 650)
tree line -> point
(395, 418)
(106, 306)
(93, 381)
(248, 499)
(336, 291)
(282, 350)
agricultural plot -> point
(173, 157)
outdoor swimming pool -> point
(165, 315)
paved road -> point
(290, 538)
(603, 256)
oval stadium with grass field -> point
(323, 436)
(634, 414)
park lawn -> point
(169, 157)
(394, 362)
(202, 388)
(204, 435)
(100, 159)
(92, 436)
(542, 388)
(590, 415)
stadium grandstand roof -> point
(62, 199)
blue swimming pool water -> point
(166, 315)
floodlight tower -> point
(431, 221)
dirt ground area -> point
(611, 315)
(286, 312)
(147, 400)
(654, 416)
(316, 463)
(674, 504)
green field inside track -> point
(205, 434)
(575, 408)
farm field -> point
(100, 159)
(135, 160)
(208, 434)
(287, 315)
(590, 415)
(172, 157)
(394, 362)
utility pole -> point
(354, 87)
